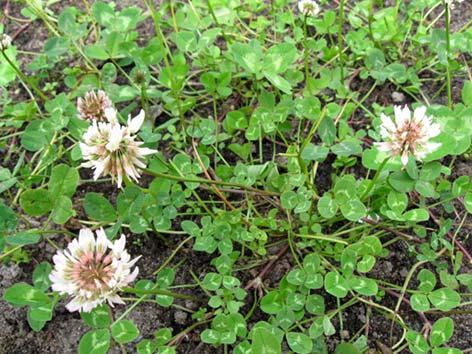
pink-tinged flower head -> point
(408, 134)
(112, 149)
(92, 270)
(93, 105)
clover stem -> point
(160, 292)
(340, 313)
(305, 45)
(370, 18)
(170, 70)
(340, 38)
(290, 241)
(212, 13)
(144, 100)
(7, 253)
(448, 51)
(174, 21)
(374, 180)
(188, 329)
(172, 255)
(403, 291)
(215, 117)
(330, 314)
(23, 77)
(206, 181)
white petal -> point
(115, 138)
(102, 241)
(431, 146)
(119, 246)
(74, 249)
(74, 305)
(111, 115)
(59, 258)
(115, 299)
(404, 158)
(88, 164)
(62, 286)
(402, 116)
(383, 146)
(99, 168)
(387, 123)
(91, 132)
(135, 124)
(133, 275)
(420, 155)
(434, 130)
(419, 114)
(90, 305)
(133, 261)
(84, 149)
(119, 178)
(88, 150)
(86, 240)
(146, 151)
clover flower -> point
(308, 7)
(408, 134)
(112, 149)
(5, 41)
(94, 105)
(92, 270)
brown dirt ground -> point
(62, 334)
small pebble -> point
(403, 272)
(398, 97)
(388, 267)
(191, 305)
(180, 317)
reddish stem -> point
(256, 282)
(406, 301)
(452, 238)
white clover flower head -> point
(408, 134)
(308, 7)
(112, 149)
(93, 105)
(5, 41)
(93, 270)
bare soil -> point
(62, 334)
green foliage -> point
(124, 331)
(40, 306)
(270, 208)
(99, 208)
(95, 342)
(441, 333)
